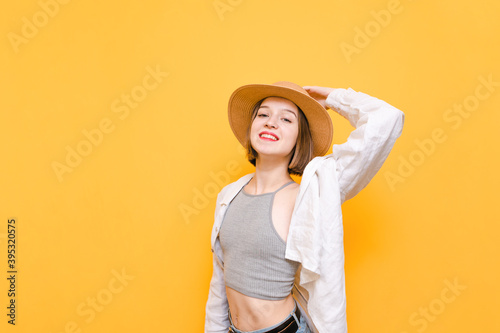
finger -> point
(310, 90)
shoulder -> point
(320, 165)
(292, 188)
(233, 187)
(288, 194)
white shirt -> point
(315, 237)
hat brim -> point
(243, 100)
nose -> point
(271, 122)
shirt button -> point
(216, 229)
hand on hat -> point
(319, 93)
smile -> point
(268, 136)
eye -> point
(261, 115)
(287, 120)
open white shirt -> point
(315, 237)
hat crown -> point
(291, 85)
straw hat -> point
(244, 99)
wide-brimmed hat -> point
(244, 98)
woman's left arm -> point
(377, 126)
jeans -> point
(303, 328)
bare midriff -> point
(250, 313)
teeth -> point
(269, 136)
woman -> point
(270, 231)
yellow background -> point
(141, 202)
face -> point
(275, 129)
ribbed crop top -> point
(254, 252)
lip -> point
(269, 133)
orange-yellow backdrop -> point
(114, 143)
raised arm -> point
(377, 126)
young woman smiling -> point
(274, 240)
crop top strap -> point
(290, 182)
(274, 192)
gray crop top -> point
(254, 252)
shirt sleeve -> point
(217, 319)
(377, 126)
(216, 311)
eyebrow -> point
(267, 107)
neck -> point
(269, 175)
